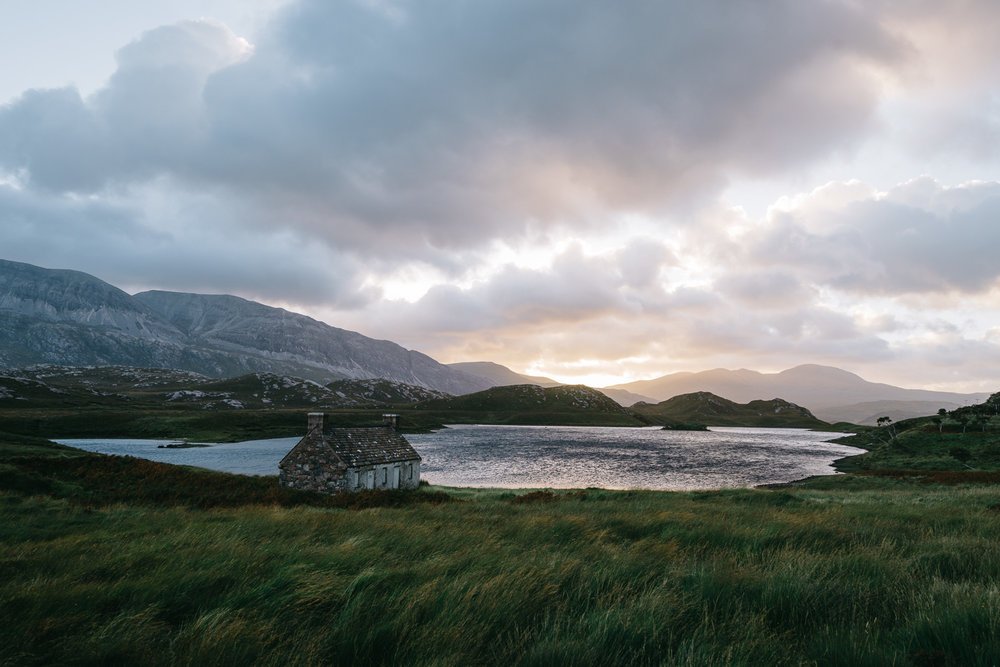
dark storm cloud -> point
(392, 127)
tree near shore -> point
(937, 421)
(886, 423)
(962, 418)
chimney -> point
(392, 421)
(316, 421)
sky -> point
(597, 192)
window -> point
(411, 472)
(385, 475)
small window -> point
(385, 475)
(411, 472)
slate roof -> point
(361, 446)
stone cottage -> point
(335, 460)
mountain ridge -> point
(70, 318)
(829, 392)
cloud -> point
(398, 127)
(151, 247)
(920, 237)
(765, 289)
(587, 307)
(370, 138)
(147, 121)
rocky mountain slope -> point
(711, 410)
(70, 318)
(259, 334)
(830, 393)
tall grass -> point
(880, 571)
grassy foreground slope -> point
(919, 447)
(99, 564)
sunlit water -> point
(253, 457)
(556, 456)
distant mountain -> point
(830, 393)
(531, 404)
(869, 413)
(625, 398)
(706, 408)
(499, 376)
(70, 318)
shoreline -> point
(161, 445)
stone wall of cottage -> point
(307, 476)
(312, 476)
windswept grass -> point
(848, 570)
(919, 446)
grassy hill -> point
(928, 445)
(531, 404)
(54, 401)
(706, 408)
(61, 402)
(376, 393)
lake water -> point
(556, 456)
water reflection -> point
(556, 456)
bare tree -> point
(886, 423)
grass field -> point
(118, 561)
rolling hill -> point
(381, 393)
(46, 387)
(531, 404)
(710, 410)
